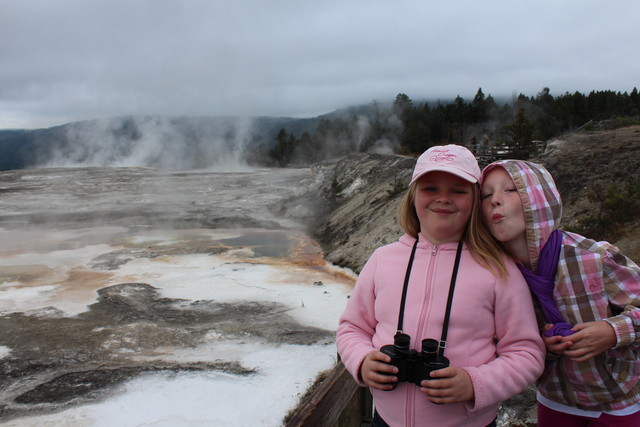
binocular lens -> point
(429, 346)
(402, 341)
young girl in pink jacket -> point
(440, 324)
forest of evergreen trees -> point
(410, 128)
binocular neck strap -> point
(447, 314)
(406, 286)
(454, 274)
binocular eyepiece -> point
(414, 366)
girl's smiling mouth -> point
(441, 211)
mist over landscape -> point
(515, 127)
(170, 143)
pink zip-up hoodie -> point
(492, 335)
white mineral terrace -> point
(66, 234)
(51, 270)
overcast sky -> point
(68, 60)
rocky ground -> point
(360, 194)
(585, 162)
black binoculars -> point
(413, 366)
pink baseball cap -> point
(451, 158)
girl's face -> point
(443, 204)
(502, 208)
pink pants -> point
(550, 418)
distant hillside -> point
(153, 141)
(355, 198)
(598, 176)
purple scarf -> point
(542, 283)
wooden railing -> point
(337, 402)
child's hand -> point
(555, 344)
(590, 339)
(448, 385)
(373, 369)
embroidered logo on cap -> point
(443, 156)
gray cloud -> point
(82, 59)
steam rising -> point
(167, 143)
(210, 143)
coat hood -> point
(541, 201)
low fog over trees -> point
(512, 127)
(409, 127)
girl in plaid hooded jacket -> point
(587, 298)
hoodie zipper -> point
(424, 311)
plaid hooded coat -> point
(594, 281)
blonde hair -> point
(484, 249)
